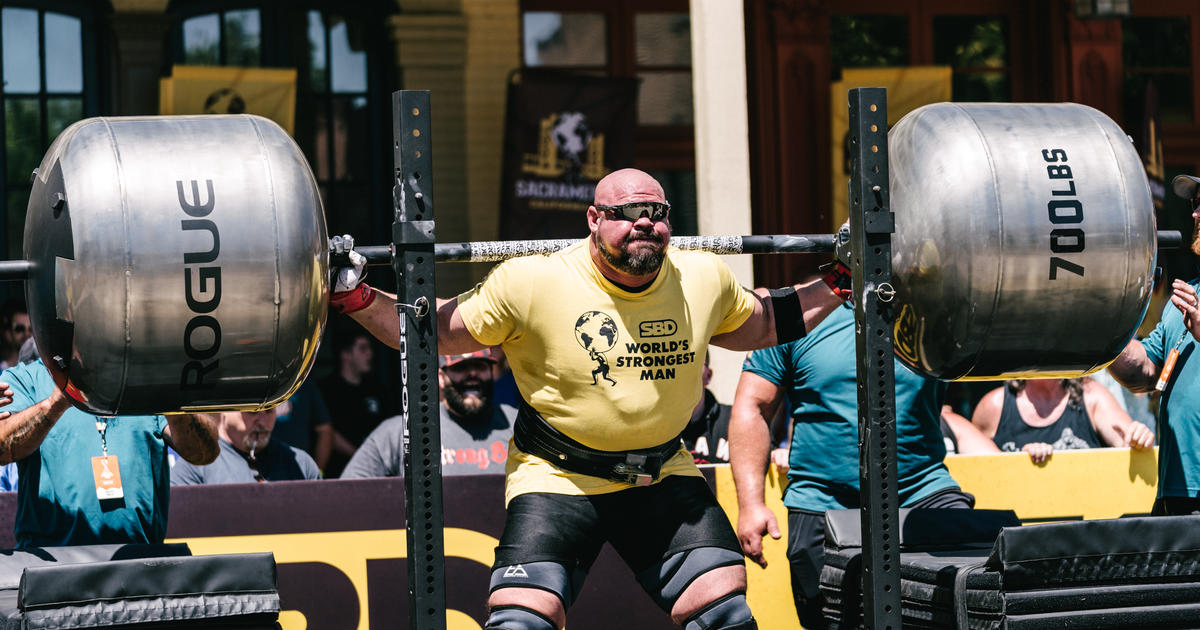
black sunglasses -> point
(632, 211)
(19, 328)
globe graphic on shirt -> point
(596, 331)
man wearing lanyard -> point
(1164, 361)
(86, 479)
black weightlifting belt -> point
(533, 435)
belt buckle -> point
(632, 471)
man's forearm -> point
(818, 301)
(380, 318)
(1134, 369)
(22, 433)
(194, 437)
(749, 448)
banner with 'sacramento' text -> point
(563, 133)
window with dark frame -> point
(1158, 50)
(869, 41)
(223, 38)
(1156, 54)
(48, 52)
(623, 38)
(975, 40)
(976, 48)
(336, 49)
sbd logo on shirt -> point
(597, 333)
(658, 328)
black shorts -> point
(644, 525)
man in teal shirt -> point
(818, 375)
(86, 479)
(1141, 365)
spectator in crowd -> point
(1040, 416)
(707, 432)
(817, 373)
(86, 479)
(964, 438)
(303, 421)
(1141, 366)
(249, 453)
(357, 401)
(475, 429)
(14, 331)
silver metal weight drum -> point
(1025, 239)
(179, 263)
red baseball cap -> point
(446, 360)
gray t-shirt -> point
(473, 449)
(278, 462)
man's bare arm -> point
(193, 436)
(22, 433)
(817, 301)
(755, 402)
(1134, 369)
(380, 319)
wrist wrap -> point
(355, 299)
(839, 281)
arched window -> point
(48, 52)
(345, 73)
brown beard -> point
(469, 408)
(634, 263)
(1196, 239)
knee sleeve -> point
(728, 613)
(517, 618)
(554, 577)
(667, 580)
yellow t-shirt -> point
(611, 369)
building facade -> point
(734, 105)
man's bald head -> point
(626, 185)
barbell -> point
(182, 263)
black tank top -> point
(1072, 430)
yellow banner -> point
(270, 93)
(907, 89)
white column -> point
(722, 146)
